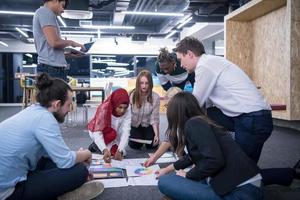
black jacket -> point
(215, 154)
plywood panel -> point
(263, 37)
(255, 9)
(239, 43)
(295, 59)
(270, 57)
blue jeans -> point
(54, 72)
(251, 129)
(49, 182)
(251, 132)
(177, 187)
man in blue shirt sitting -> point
(35, 162)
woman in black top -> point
(220, 169)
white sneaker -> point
(87, 191)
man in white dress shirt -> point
(231, 98)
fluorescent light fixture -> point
(108, 60)
(185, 22)
(77, 36)
(78, 32)
(153, 13)
(62, 21)
(170, 34)
(22, 32)
(107, 27)
(219, 47)
(107, 56)
(28, 55)
(3, 43)
(16, 12)
(77, 14)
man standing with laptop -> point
(48, 42)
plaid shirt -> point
(148, 114)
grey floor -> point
(281, 150)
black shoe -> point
(297, 170)
(94, 148)
(297, 165)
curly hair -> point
(165, 56)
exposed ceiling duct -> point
(110, 13)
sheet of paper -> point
(168, 154)
(113, 182)
(118, 164)
(97, 156)
(166, 160)
(134, 161)
(141, 141)
(143, 180)
(141, 171)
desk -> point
(89, 89)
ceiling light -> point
(185, 22)
(107, 27)
(170, 34)
(16, 12)
(22, 32)
(3, 43)
(153, 13)
(77, 14)
(62, 21)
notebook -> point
(77, 50)
(101, 170)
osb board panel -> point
(295, 10)
(254, 9)
(271, 68)
(295, 67)
(239, 44)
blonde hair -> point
(172, 92)
(137, 94)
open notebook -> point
(77, 50)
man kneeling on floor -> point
(35, 162)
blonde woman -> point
(144, 113)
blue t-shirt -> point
(24, 139)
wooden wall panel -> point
(239, 43)
(270, 64)
(295, 59)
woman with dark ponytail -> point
(219, 167)
(32, 150)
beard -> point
(59, 117)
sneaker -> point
(87, 191)
(94, 148)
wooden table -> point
(90, 89)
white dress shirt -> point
(223, 84)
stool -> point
(85, 109)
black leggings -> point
(49, 182)
(144, 133)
